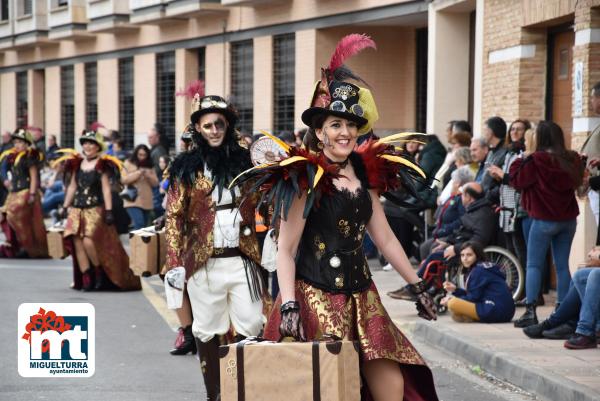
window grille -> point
(242, 81)
(67, 107)
(165, 93)
(91, 93)
(21, 99)
(4, 10)
(202, 63)
(284, 61)
(126, 103)
(27, 7)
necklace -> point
(342, 164)
(91, 158)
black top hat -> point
(23, 135)
(212, 104)
(342, 101)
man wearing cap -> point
(213, 237)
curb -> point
(504, 366)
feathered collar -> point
(72, 162)
(13, 157)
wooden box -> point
(56, 248)
(148, 251)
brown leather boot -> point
(209, 363)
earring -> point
(320, 145)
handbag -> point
(130, 193)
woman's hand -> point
(444, 301)
(449, 286)
(425, 306)
(291, 325)
(496, 172)
(109, 218)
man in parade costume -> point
(212, 235)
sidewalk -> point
(543, 367)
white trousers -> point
(220, 297)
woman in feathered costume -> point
(99, 260)
(328, 197)
(21, 216)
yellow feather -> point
(318, 176)
(291, 160)
(6, 153)
(115, 160)
(247, 171)
(67, 150)
(401, 160)
(279, 142)
(61, 159)
(19, 157)
(399, 137)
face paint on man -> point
(212, 127)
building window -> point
(91, 93)
(165, 90)
(126, 104)
(67, 107)
(242, 82)
(3, 10)
(202, 64)
(284, 62)
(26, 7)
(21, 99)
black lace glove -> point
(109, 218)
(425, 306)
(159, 223)
(291, 326)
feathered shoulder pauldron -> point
(377, 163)
(72, 161)
(185, 168)
(13, 157)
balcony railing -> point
(109, 16)
(67, 20)
(193, 8)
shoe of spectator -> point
(579, 341)
(388, 267)
(562, 332)
(402, 293)
(529, 318)
(536, 330)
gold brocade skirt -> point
(27, 222)
(359, 317)
(113, 258)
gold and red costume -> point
(333, 282)
(85, 219)
(23, 225)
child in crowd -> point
(486, 297)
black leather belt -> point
(226, 252)
(225, 207)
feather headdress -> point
(193, 89)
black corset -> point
(20, 176)
(330, 254)
(89, 189)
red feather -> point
(193, 88)
(95, 125)
(348, 46)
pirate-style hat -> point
(334, 96)
(95, 137)
(23, 135)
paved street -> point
(134, 333)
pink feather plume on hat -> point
(193, 88)
(347, 47)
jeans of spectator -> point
(52, 200)
(157, 199)
(568, 310)
(558, 235)
(139, 217)
(587, 283)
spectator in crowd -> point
(486, 297)
(52, 148)
(300, 136)
(448, 214)
(6, 141)
(561, 324)
(511, 212)
(39, 140)
(157, 147)
(479, 151)
(442, 177)
(6, 145)
(495, 135)
(463, 158)
(478, 224)
(139, 173)
(547, 180)
(119, 150)
(54, 191)
(288, 137)
(113, 137)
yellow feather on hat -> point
(367, 103)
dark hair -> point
(525, 123)
(310, 139)
(121, 143)
(477, 249)
(461, 126)
(462, 138)
(549, 138)
(134, 156)
(114, 135)
(498, 126)
(596, 89)
(301, 133)
(473, 192)
(287, 136)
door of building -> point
(561, 60)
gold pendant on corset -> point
(335, 262)
(339, 281)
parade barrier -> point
(290, 371)
(56, 248)
(148, 251)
